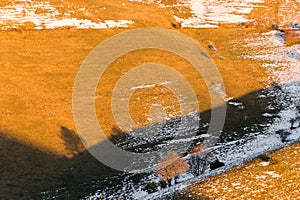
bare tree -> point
(198, 160)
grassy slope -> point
(115, 10)
(252, 180)
(240, 76)
(37, 78)
(38, 69)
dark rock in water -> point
(283, 135)
(264, 158)
(216, 164)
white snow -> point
(264, 164)
(282, 61)
(219, 89)
(210, 13)
(261, 177)
(216, 12)
(273, 174)
(267, 115)
(17, 13)
(151, 85)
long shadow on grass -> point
(27, 172)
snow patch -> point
(45, 16)
(208, 14)
(273, 174)
(216, 12)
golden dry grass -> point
(278, 180)
(98, 11)
(233, 70)
(37, 77)
(38, 73)
(38, 69)
(116, 10)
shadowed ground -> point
(27, 171)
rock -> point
(294, 123)
(211, 47)
(264, 158)
(276, 86)
(295, 25)
(274, 27)
(151, 187)
(175, 25)
(163, 184)
(283, 135)
(216, 164)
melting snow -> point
(282, 61)
(45, 16)
(273, 174)
(208, 14)
(219, 11)
(264, 163)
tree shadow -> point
(71, 140)
(29, 173)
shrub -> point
(151, 187)
(172, 165)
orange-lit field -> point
(39, 147)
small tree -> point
(151, 187)
(172, 165)
(198, 160)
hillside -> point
(44, 43)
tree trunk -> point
(169, 182)
(163, 184)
